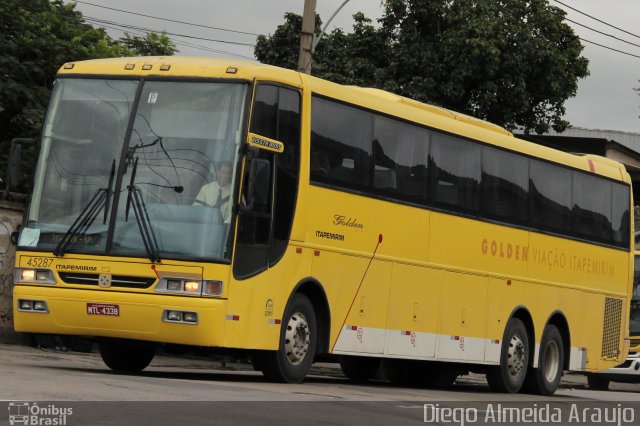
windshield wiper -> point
(88, 215)
(134, 198)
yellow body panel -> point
(434, 274)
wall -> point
(10, 218)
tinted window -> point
(340, 144)
(400, 151)
(455, 172)
(287, 170)
(505, 185)
(264, 118)
(620, 214)
(591, 207)
(263, 232)
(550, 189)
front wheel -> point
(128, 356)
(508, 377)
(544, 380)
(298, 342)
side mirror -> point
(15, 236)
(13, 167)
(257, 191)
(14, 161)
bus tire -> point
(298, 342)
(544, 380)
(508, 377)
(597, 383)
(127, 356)
(359, 368)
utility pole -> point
(306, 37)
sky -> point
(605, 100)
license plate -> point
(103, 309)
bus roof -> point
(182, 66)
(370, 98)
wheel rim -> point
(551, 361)
(297, 338)
(516, 359)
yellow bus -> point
(629, 370)
(225, 204)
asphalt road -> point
(201, 391)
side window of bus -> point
(620, 215)
(400, 151)
(340, 144)
(264, 117)
(455, 171)
(592, 208)
(287, 171)
(263, 233)
(505, 185)
(550, 189)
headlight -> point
(27, 305)
(189, 286)
(174, 285)
(181, 317)
(29, 275)
(192, 286)
(212, 288)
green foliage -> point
(36, 38)
(153, 44)
(282, 47)
(512, 62)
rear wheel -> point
(298, 341)
(359, 368)
(129, 356)
(597, 383)
(509, 376)
(544, 379)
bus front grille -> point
(122, 281)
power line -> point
(183, 43)
(596, 19)
(145, 31)
(610, 48)
(166, 19)
(104, 21)
(603, 33)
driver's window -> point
(263, 230)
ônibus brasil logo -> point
(30, 413)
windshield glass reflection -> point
(174, 188)
(81, 144)
(183, 148)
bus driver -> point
(218, 193)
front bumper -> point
(140, 315)
(628, 371)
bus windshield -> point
(162, 155)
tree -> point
(152, 44)
(512, 62)
(37, 37)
